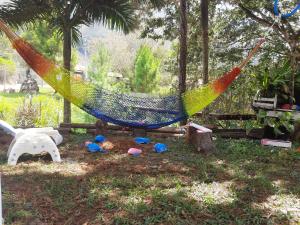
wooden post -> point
(200, 137)
(101, 127)
(137, 132)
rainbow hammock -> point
(132, 110)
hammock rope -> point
(125, 109)
(286, 15)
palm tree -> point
(66, 16)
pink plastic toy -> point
(134, 151)
(87, 143)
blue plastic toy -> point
(100, 139)
(93, 148)
(141, 140)
(160, 148)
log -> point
(77, 125)
(115, 127)
(129, 133)
(93, 131)
(164, 135)
(173, 130)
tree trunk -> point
(205, 48)
(183, 49)
(67, 52)
(205, 38)
(294, 64)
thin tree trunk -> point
(205, 38)
(294, 65)
(183, 49)
(67, 52)
(205, 46)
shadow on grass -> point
(179, 187)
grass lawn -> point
(242, 183)
(47, 108)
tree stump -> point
(201, 138)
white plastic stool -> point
(32, 141)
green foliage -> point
(8, 64)
(100, 66)
(146, 70)
(44, 41)
(43, 111)
(274, 79)
(232, 33)
(282, 122)
(63, 15)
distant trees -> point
(146, 70)
(100, 66)
(49, 43)
(7, 64)
(65, 17)
(234, 27)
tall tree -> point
(183, 48)
(205, 38)
(146, 70)
(66, 17)
(288, 29)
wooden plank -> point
(129, 133)
(263, 105)
(276, 114)
(265, 99)
(256, 133)
(200, 128)
(115, 127)
(229, 116)
(276, 143)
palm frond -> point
(19, 12)
(115, 14)
(155, 3)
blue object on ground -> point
(141, 140)
(93, 148)
(160, 148)
(298, 107)
(100, 139)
